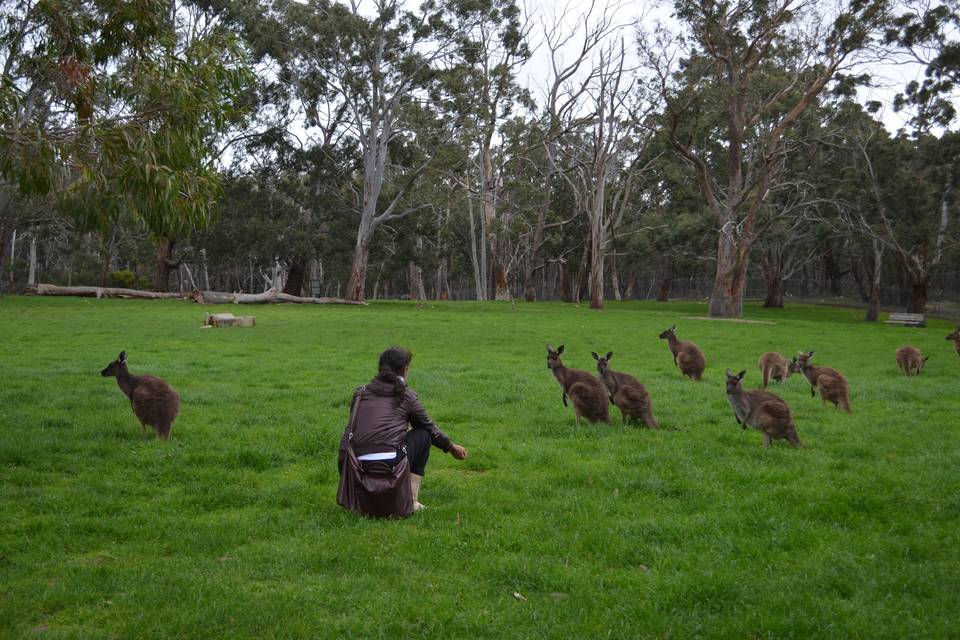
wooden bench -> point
(908, 319)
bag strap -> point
(353, 413)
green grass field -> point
(231, 530)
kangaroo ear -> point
(594, 354)
(559, 349)
(673, 328)
(122, 357)
(730, 374)
(810, 355)
(927, 358)
(549, 349)
(741, 374)
(609, 354)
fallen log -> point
(269, 296)
(99, 292)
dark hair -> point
(392, 363)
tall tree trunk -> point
(664, 277)
(296, 275)
(597, 240)
(530, 267)
(566, 294)
(858, 278)
(873, 302)
(773, 274)
(918, 293)
(726, 300)
(358, 271)
(442, 285)
(479, 267)
(204, 271)
(615, 279)
(32, 276)
(774, 299)
(417, 291)
(488, 200)
(582, 276)
(164, 264)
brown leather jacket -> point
(382, 419)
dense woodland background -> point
(480, 149)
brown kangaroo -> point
(626, 392)
(910, 360)
(686, 355)
(774, 367)
(154, 402)
(761, 410)
(588, 394)
(833, 386)
(955, 336)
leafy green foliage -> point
(104, 105)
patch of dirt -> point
(741, 320)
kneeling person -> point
(386, 445)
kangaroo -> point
(761, 410)
(626, 392)
(154, 402)
(833, 386)
(588, 394)
(774, 367)
(686, 355)
(910, 360)
(955, 336)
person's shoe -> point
(415, 482)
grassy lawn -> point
(231, 529)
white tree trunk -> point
(32, 278)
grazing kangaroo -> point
(686, 355)
(626, 392)
(154, 402)
(775, 367)
(833, 386)
(909, 359)
(588, 394)
(955, 336)
(761, 410)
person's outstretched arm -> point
(419, 418)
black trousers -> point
(418, 449)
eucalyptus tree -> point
(112, 107)
(361, 68)
(748, 71)
(492, 45)
(607, 154)
(909, 205)
(565, 88)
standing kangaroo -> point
(831, 383)
(588, 394)
(775, 367)
(626, 392)
(154, 402)
(955, 336)
(686, 355)
(761, 410)
(910, 360)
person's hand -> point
(458, 452)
